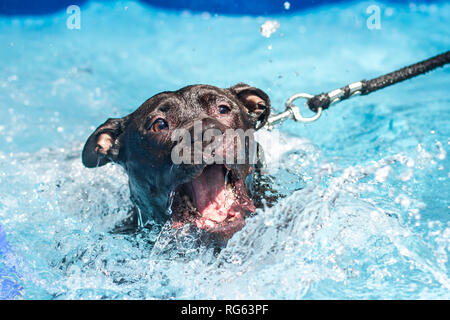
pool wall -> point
(234, 7)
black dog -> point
(214, 197)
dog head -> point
(189, 155)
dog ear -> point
(256, 102)
(103, 144)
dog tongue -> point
(210, 194)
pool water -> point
(366, 212)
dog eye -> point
(261, 106)
(159, 124)
(224, 109)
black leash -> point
(323, 101)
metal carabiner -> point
(296, 110)
(293, 111)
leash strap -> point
(323, 101)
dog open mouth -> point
(215, 201)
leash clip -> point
(293, 111)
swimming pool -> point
(366, 214)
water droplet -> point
(170, 202)
(269, 27)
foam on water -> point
(365, 212)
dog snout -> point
(204, 130)
(207, 140)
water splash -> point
(335, 232)
(269, 27)
(10, 287)
(170, 202)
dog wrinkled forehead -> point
(205, 93)
(163, 102)
(194, 97)
(184, 104)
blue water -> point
(367, 209)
